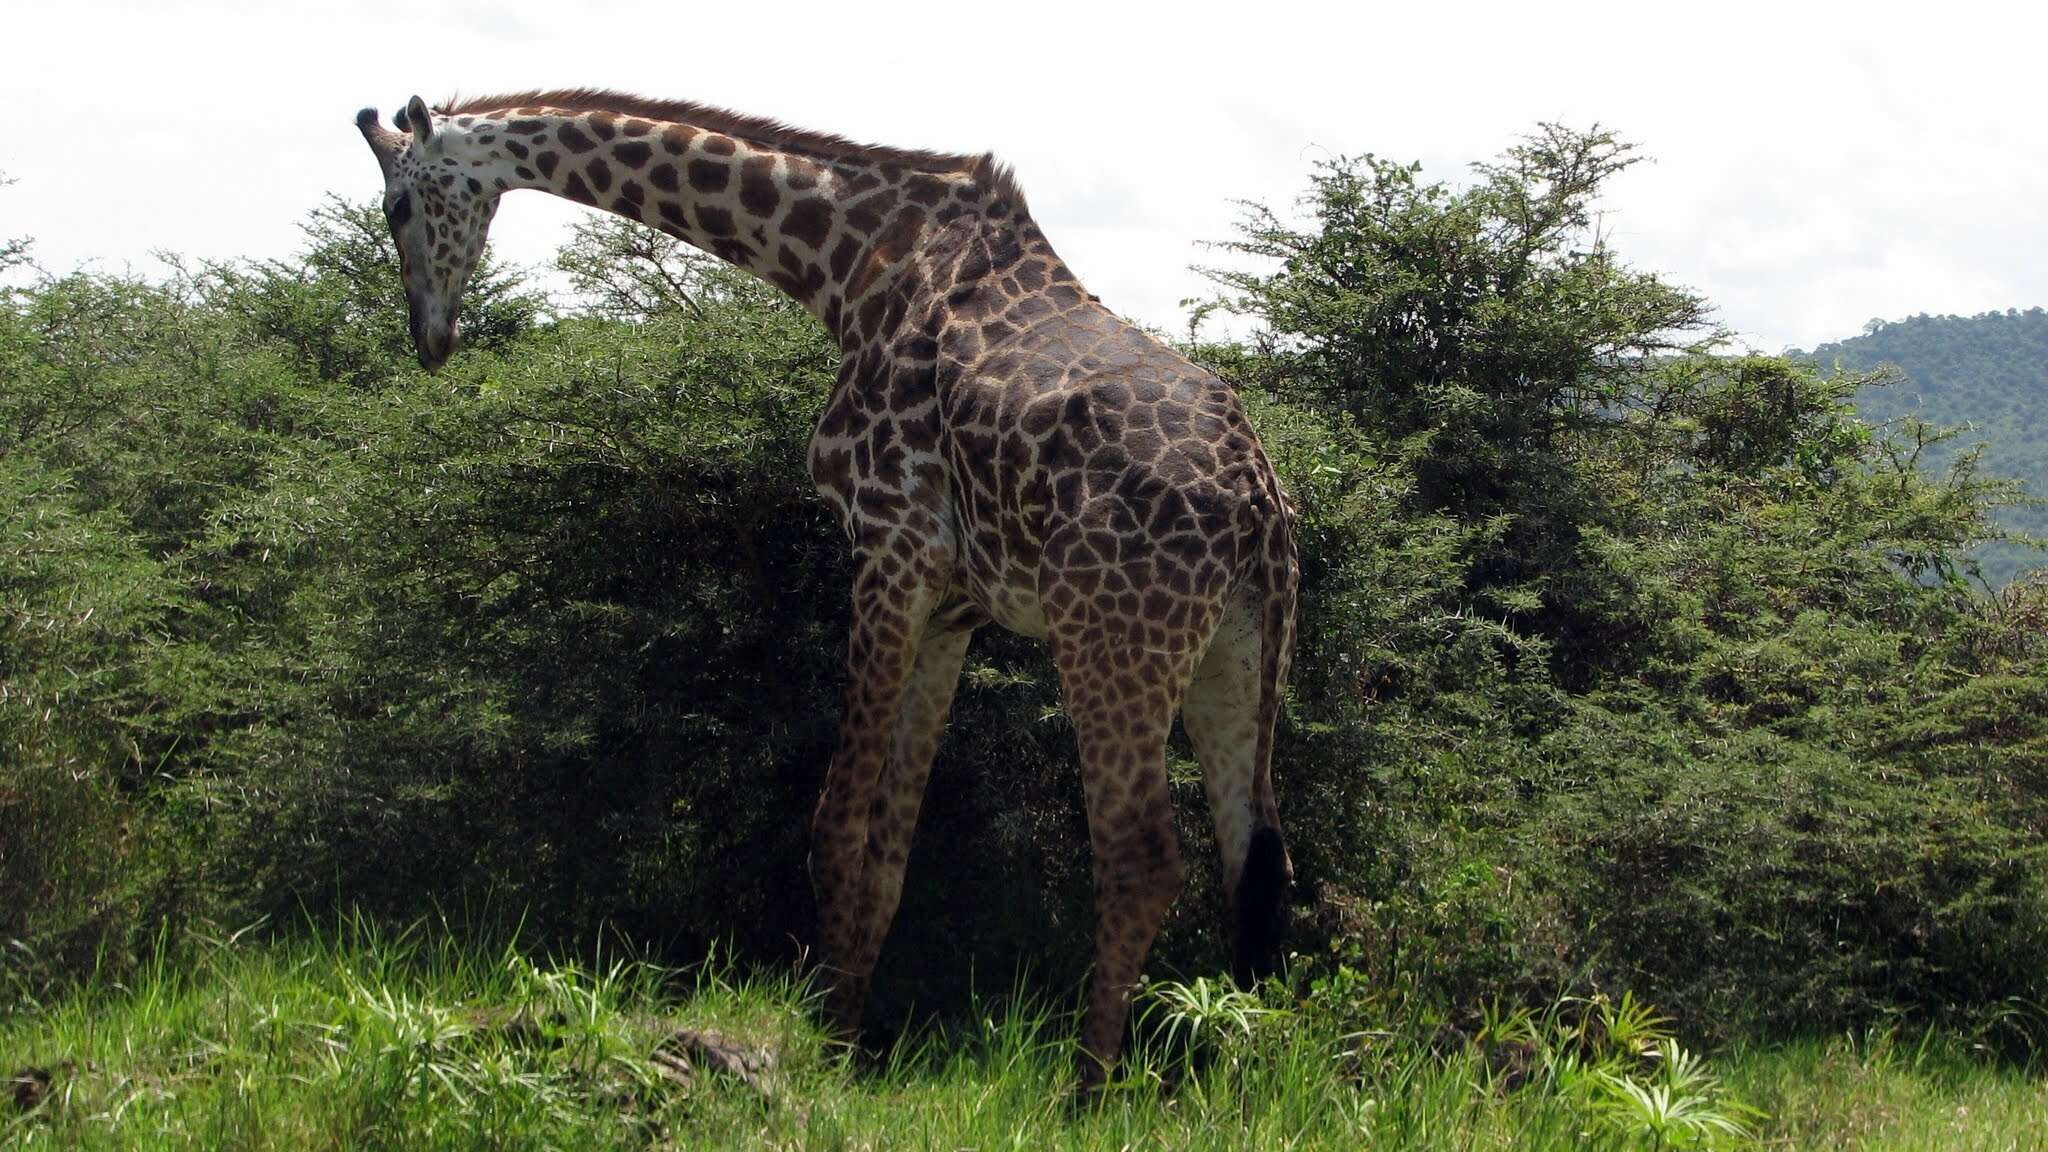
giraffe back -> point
(1052, 454)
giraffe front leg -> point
(921, 723)
(881, 653)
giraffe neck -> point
(833, 231)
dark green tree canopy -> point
(1492, 314)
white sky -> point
(1814, 166)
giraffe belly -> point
(996, 563)
(1010, 599)
(1012, 605)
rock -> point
(687, 1049)
(29, 1087)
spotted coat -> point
(998, 447)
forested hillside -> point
(1988, 371)
(1624, 666)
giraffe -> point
(998, 447)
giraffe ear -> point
(417, 119)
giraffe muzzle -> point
(433, 355)
(433, 343)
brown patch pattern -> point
(999, 447)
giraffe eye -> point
(400, 210)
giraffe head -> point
(439, 215)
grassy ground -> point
(357, 1040)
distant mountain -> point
(1989, 372)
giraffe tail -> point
(1262, 887)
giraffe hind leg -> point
(1221, 715)
(1121, 697)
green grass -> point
(1879, 1092)
(361, 1039)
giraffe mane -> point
(983, 168)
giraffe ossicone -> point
(999, 447)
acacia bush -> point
(1664, 620)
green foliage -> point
(1481, 336)
(1487, 321)
(126, 428)
(1608, 654)
(1201, 1018)
(1988, 372)
(584, 569)
(1675, 1107)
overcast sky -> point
(1814, 166)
